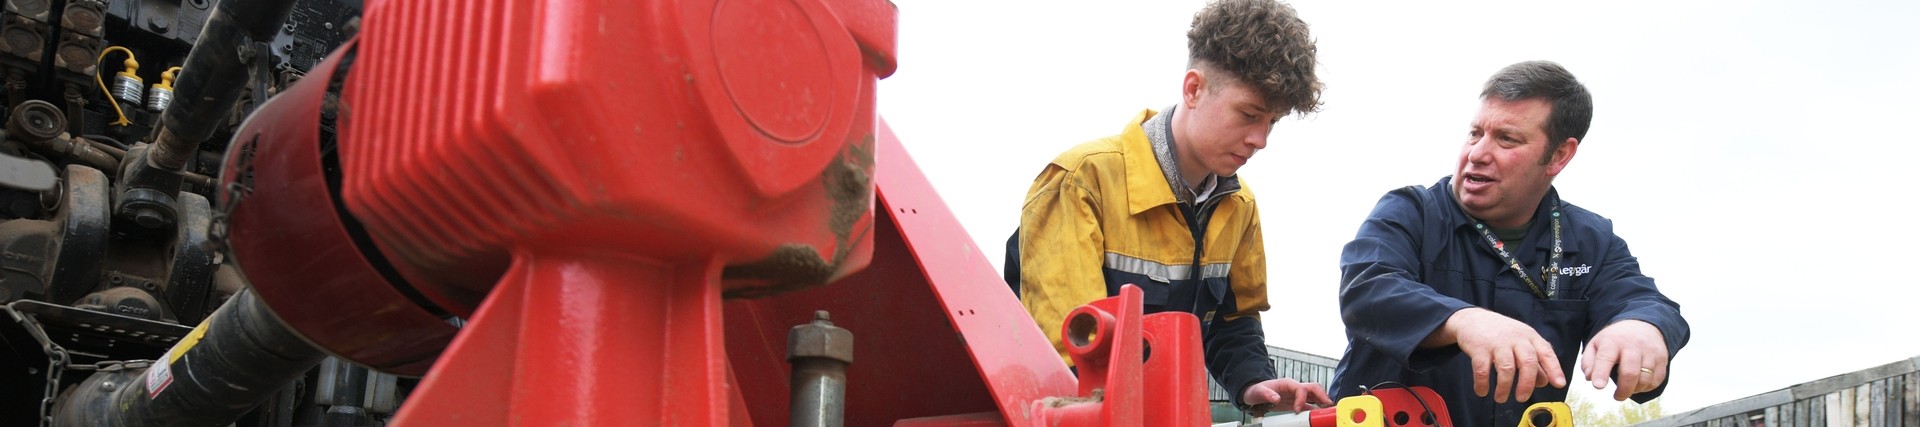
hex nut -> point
(820, 338)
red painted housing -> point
(583, 182)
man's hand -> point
(1636, 348)
(1282, 394)
(1502, 348)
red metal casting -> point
(585, 179)
(1175, 374)
(1108, 341)
(287, 203)
(1403, 399)
(682, 129)
(1399, 403)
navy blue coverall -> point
(1417, 259)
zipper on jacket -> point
(1197, 226)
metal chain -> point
(54, 367)
(58, 362)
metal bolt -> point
(149, 218)
(157, 24)
(107, 385)
(820, 339)
(819, 353)
(328, 25)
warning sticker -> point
(158, 378)
(161, 374)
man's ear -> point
(1191, 87)
(1562, 155)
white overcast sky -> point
(1759, 157)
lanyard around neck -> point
(1552, 273)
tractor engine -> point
(112, 251)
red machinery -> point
(612, 193)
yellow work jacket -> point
(1103, 215)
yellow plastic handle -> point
(1370, 412)
(1548, 414)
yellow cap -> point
(166, 78)
(132, 66)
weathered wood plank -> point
(1913, 401)
(1877, 404)
(1896, 400)
(1786, 414)
(1893, 408)
(1802, 413)
(1817, 416)
(1840, 408)
(1862, 404)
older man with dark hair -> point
(1487, 281)
(1160, 205)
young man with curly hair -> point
(1159, 205)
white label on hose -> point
(158, 378)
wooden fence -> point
(1884, 396)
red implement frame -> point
(584, 180)
(941, 341)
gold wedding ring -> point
(1646, 371)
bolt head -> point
(820, 339)
(149, 218)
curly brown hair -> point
(1264, 44)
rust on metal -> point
(848, 182)
(791, 267)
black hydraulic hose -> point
(214, 74)
(115, 142)
(242, 356)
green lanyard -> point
(1552, 274)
